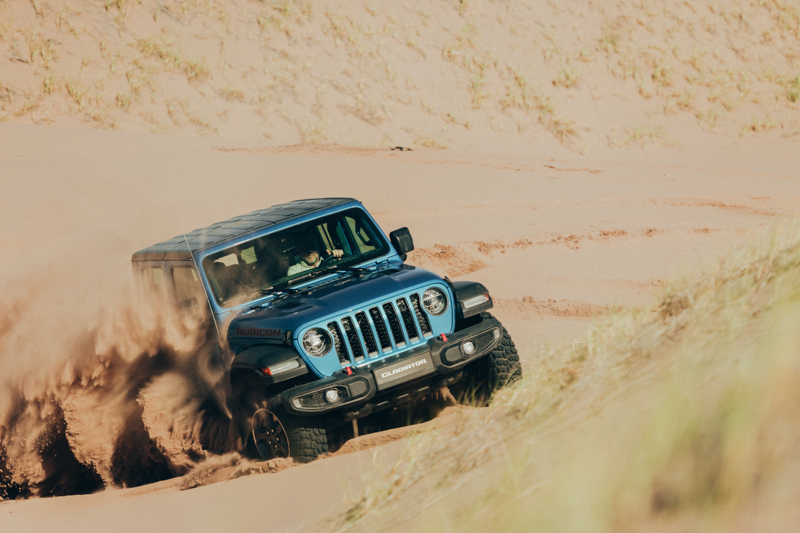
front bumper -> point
(395, 380)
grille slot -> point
(394, 325)
(422, 318)
(366, 332)
(380, 328)
(408, 321)
(352, 339)
(338, 345)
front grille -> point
(411, 328)
(381, 329)
(366, 332)
(422, 318)
(352, 338)
(338, 345)
(394, 325)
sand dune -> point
(555, 253)
(494, 76)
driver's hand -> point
(335, 253)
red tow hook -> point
(444, 337)
(349, 371)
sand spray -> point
(100, 387)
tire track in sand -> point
(457, 261)
(528, 307)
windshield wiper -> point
(271, 290)
(328, 270)
(343, 269)
(310, 275)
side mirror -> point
(402, 241)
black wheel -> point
(268, 437)
(269, 432)
(489, 374)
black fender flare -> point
(463, 290)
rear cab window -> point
(153, 279)
(188, 290)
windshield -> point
(275, 262)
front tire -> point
(275, 434)
(504, 365)
(308, 443)
(269, 432)
(484, 377)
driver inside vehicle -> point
(309, 256)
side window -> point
(249, 255)
(188, 291)
(365, 240)
(153, 278)
(229, 260)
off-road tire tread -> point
(484, 377)
(307, 443)
(503, 361)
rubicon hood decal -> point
(258, 332)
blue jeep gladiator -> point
(323, 323)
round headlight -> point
(316, 342)
(435, 301)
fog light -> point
(332, 396)
(496, 333)
(469, 347)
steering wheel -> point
(328, 261)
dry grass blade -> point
(686, 333)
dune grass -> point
(683, 415)
(641, 136)
(501, 66)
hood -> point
(270, 321)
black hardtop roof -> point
(176, 249)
